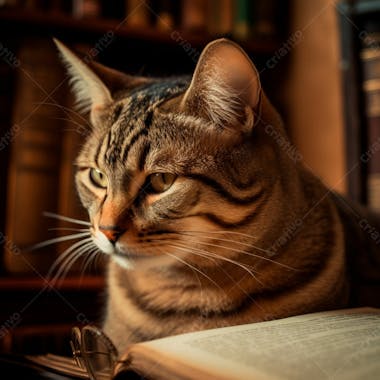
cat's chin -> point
(103, 243)
(123, 262)
(131, 261)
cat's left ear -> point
(225, 88)
(93, 84)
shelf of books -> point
(360, 31)
(70, 26)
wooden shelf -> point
(37, 283)
(55, 23)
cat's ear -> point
(94, 85)
(90, 91)
(225, 88)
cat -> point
(195, 203)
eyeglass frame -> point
(81, 356)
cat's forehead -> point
(135, 117)
(144, 98)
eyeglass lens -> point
(98, 353)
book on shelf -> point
(342, 344)
(8, 132)
(194, 15)
(220, 14)
(266, 21)
(137, 14)
(370, 57)
(86, 8)
(167, 14)
(32, 186)
(242, 19)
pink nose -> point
(112, 233)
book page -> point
(60, 364)
(330, 345)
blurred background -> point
(319, 63)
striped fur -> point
(207, 251)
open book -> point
(343, 344)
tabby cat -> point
(195, 202)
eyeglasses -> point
(94, 352)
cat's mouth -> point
(126, 257)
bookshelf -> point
(358, 20)
(136, 50)
(67, 27)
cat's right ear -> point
(93, 84)
(225, 88)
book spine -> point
(242, 19)
(265, 21)
(86, 8)
(8, 132)
(113, 9)
(226, 17)
(371, 85)
(165, 14)
(194, 15)
(137, 13)
(214, 11)
(34, 163)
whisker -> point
(71, 257)
(68, 229)
(82, 127)
(91, 254)
(64, 108)
(69, 261)
(98, 257)
(189, 233)
(238, 283)
(246, 267)
(65, 253)
(58, 240)
(220, 232)
(64, 269)
(193, 268)
(65, 218)
(245, 253)
(212, 257)
(269, 252)
(185, 248)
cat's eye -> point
(98, 178)
(160, 182)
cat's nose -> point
(112, 233)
